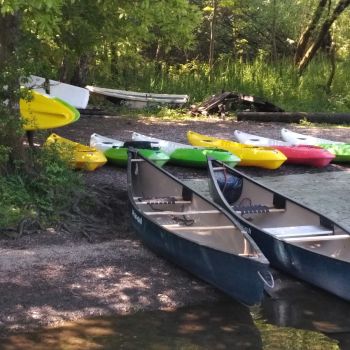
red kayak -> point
(307, 155)
(303, 155)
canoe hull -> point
(323, 271)
(193, 232)
(229, 273)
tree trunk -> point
(10, 135)
(273, 33)
(306, 35)
(310, 53)
(333, 68)
(81, 70)
(212, 34)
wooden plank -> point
(176, 227)
(316, 238)
(295, 117)
(182, 212)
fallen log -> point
(295, 117)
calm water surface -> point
(295, 316)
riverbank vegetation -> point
(294, 54)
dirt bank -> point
(94, 264)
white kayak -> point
(139, 96)
(74, 95)
(103, 143)
(301, 139)
(166, 146)
(250, 139)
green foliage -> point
(41, 193)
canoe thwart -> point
(161, 200)
(298, 231)
(255, 209)
(177, 227)
(182, 212)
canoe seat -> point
(255, 209)
(298, 231)
(160, 200)
(317, 238)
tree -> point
(12, 68)
(307, 49)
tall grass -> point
(278, 83)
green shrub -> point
(40, 193)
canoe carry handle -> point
(267, 283)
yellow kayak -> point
(263, 157)
(45, 112)
(78, 155)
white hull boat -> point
(74, 95)
(140, 98)
(301, 139)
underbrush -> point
(37, 192)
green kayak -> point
(340, 150)
(119, 156)
(197, 157)
(188, 155)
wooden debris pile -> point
(233, 101)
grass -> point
(278, 83)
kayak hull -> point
(197, 157)
(74, 95)
(78, 155)
(341, 152)
(264, 157)
(45, 112)
(303, 155)
(119, 156)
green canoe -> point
(340, 150)
(119, 156)
(197, 157)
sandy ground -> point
(97, 266)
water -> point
(296, 316)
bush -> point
(41, 193)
